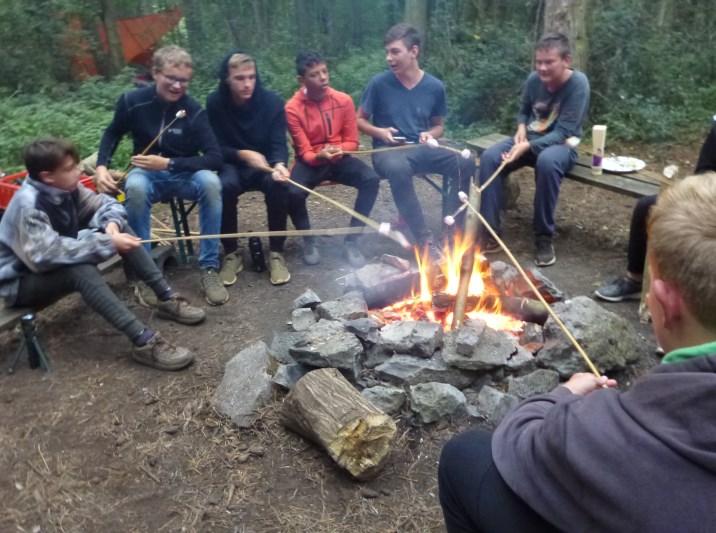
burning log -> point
(525, 309)
(472, 225)
(326, 409)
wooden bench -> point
(634, 184)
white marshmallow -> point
(432, 143)
(573, 142)
(181, 113)
(384, 228)
(449, 221)
(465, 154)
(462, 195)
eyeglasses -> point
(173, 80)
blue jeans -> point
(551, 165)
(146, 187)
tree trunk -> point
(569, 17)
(194, 26)
(114, 60)
(416, 13)
(326, 409)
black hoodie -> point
(258, 125)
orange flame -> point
(436, 296)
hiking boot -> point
(545, 252)
(353, 254)
(162, 354)
(310, 253)
(619, 289)
(178, 309)
(277, 269)
(213, 288)
(145, 295)
(233, 264)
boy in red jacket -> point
(322, 124)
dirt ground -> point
(103, 444)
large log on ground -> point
(325, 408)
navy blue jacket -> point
(190, 142)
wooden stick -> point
(383, 229)
(284, 233)
(472, 224)
(179, 114)
(551, 312)
(494, 175)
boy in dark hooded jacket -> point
(250, 124)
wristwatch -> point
(171, 165)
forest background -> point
(651, 63)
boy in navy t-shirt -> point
(407, 104)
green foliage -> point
(79, 115)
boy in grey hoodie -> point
(55, 232)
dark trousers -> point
(551, 165)
(636, 254)
(473, 495)
(399, 167)
(41, 289)
(347, 171)
(237, 180)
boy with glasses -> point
(178, 164)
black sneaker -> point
(544, 255)
(619, 289)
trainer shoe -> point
(178, 309)
(353, 254)
(545, 251)
(619, 289)
(214, 290)
(145, 295)
(310, 253)
(278, 271)
(233, 264)
(162, 354)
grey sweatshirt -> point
(639, 461)
(553, 117)
(45, 228)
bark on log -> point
(325, 408)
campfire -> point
(434, 299)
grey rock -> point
(366, 329)
(610, 340)
(387, 399)
(287, 376)
(434, 401)
(382, 284)
(280, 344)
(246, 385)
(467, 338)
(521, 361)
(409, 370)
(348, 307)
(538, 382)
(302, 318)
(493, 404)
(412, 337)
(308, 299)
(375, 355)
(531, 333)
(493, 349)
(327, 344)
(395, 261)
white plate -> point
(622, 164)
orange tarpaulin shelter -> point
(138, 37)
